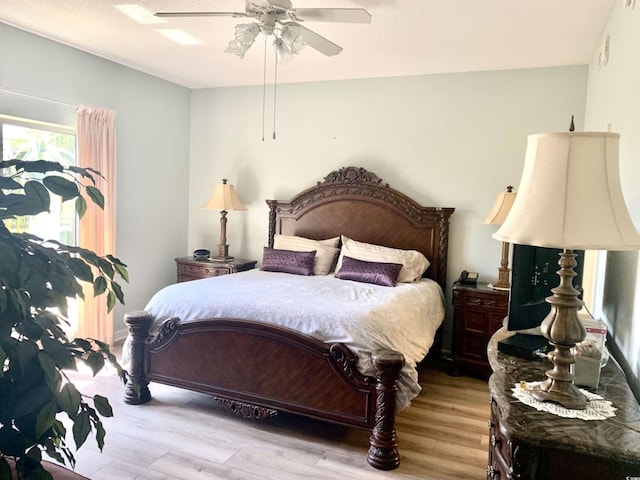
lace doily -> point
(597, 408)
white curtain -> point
(97, 228)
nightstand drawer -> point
(202, 271)
(486, 301)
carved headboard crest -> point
(353, 175)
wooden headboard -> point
(358, 204)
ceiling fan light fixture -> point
(290, 43)
(246, 34)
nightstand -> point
(478, 312)
(190, 269)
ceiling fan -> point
(280, 19)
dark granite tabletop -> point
(616, 438)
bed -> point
(255, 368)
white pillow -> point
(326, 251)
(414, 263)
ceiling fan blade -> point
(344, 15)
(314, 40)
(256, 3)
(203, 14)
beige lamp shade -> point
(224, 198)
(570, 195)
(501, 207)
(497, 216)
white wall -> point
(152, 124)
(613, 100)
(445, 140)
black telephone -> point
(468, 278)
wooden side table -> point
(190, 269)
(478, 312)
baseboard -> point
(120, 335)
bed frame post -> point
(383, 449)
(137, 388)
(273, 205)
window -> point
(30, 140)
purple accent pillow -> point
(287, 261)
(385, 274)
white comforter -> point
(362, 316)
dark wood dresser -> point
(190, 269)
(478, 312)
(527, 444)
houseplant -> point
(36, 278)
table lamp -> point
(223, 198)
(496, 216)
(569, 198)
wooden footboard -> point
(255, 370)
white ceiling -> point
(406, 37)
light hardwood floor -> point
(185, 435)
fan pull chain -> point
(275, 91)
(264, 85)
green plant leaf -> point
(99, 286)
(100, 433)
(80, 269)
(106, 267)
(50, 448)
(81, 206)
(95, 195)
(58, 351)
(8, 183)
(51, 375)
(69, 399)
(82, 171)
(95, 361)
(60, 432)
(35, 192)
(65, 189)
(41, 166)
(18, 205)
(51, 323)
(83, 344)
(111, 301)
(45, 418)
(117, 289)
(81, 428)
(87, 255)
(119, 267)
(102, 406)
